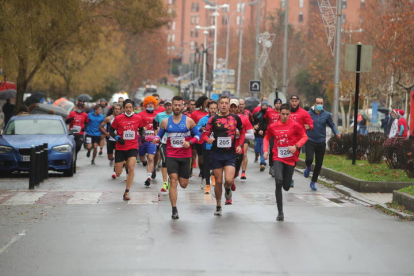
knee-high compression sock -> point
(201, 169)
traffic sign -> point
(229, 72)
(226, 93)
(221, 85)
(255, 86)
(351, 58)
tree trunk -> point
(344, 129)
(348, 121)
(21, 81)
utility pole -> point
(337, 60)
(240, 51)
(256, 60)
(285, 53)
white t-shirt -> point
(394, 129)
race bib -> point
(88, 140)
(149, 133)
(283, 152)
(129, 135)
(164, 139)
(223, 142)
(78, 128)
(177, 142)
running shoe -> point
(200, 174)
(92, 162)
(114, 176)
(175, 215)
(207, 190)
(243, 176)
(271, 171)
(100, 152)
(306, 172)
(213, 180)
(147, 182)
(262, 167)
(292, 183)
(280, 217)
(164, 187)
(144, 163)
(218, 211)
(256, 160)
(313, 186)
(154, 174)
(111, 163)
(138, 160)
(203, 183)
(126, 196)
(88, 153)
(233, 186)
(228, 196)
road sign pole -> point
(358, 73)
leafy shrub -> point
(362, 145)
(408, 149)
(375, 152)
(336, 146)
(394, 152)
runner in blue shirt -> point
(93, 133)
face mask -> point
(206, 109)
(132, 113)
(319, 107)
(264, 110)
(150, 109)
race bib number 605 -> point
(223, 142)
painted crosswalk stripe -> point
(24, 198)
(85, 198)
(317, 200)
(143, 198)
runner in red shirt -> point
(124, 130)
(245, 113)
(273, 115)
(196, 115)
(160, 108)
(147, 135)
(299, 115)
(77, 120)
(288, 137)
(259, 107)
(247, 126)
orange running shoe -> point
(207, 190)
(243, 176)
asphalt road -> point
(81, 226)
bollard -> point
(37, 164)
(46, 161)
(32, 172)
(41, 170)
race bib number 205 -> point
(223, 142)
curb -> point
(351, 193)
(358, 184)
(404, 199)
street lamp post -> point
(205, 54)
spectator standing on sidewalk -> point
(316, 144)
(402, 124)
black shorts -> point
(163, 152)
(180, 166)
(220, 160)
(92, 139)
(110, 146)
(247, 142)
(123, 155)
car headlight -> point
(62, 149)
(5, 149)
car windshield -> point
(35, 126)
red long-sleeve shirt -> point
(285, 135)
(302, 117)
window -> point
(192, 45)
(192, 7)
(362, 4)
(169, 26)
(224, 20)
(196, 33)
(169, 38)
(300, 16)
(212, 22)
(344, 4)
(282, 3)
(173, 25)
(192, 33)
(238, 20)
(197, 20)
(172, 37)
(343, 18)
(300, 3)
(196, 44)
(197, 7)
(35, 127)
(238, 7)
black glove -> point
(69, 120)
(121, 141)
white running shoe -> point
(203, 183)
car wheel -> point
(69, 172)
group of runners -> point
(215, 133)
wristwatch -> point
(191, 143)
(297, 147)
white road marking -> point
(26, 198)
(317, 200)
(85, 198)
(143, 198)
(10, 243)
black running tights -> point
(206, 163)
(283, 177)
